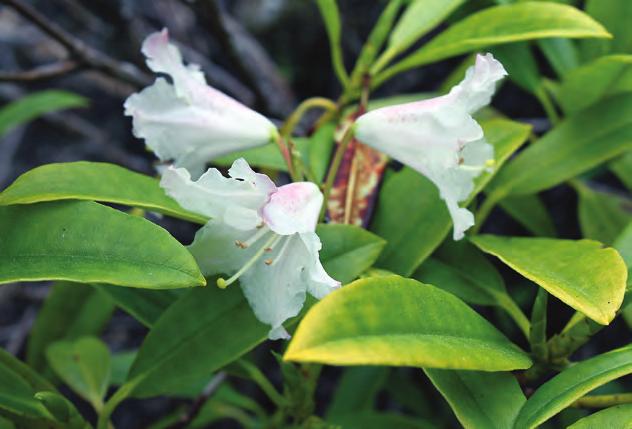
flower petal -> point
(276, 285)
(294, 208)
(236, 201)
(439, 138)
(190, 122)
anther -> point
(268, 261)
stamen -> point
(268, 261)
(282, 251)
(270, 243)
(256, 237)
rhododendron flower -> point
(439, 138)
(186, 120)
(258, 233)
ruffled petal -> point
(294, 208)
(188, 121)
(319, 283)
(439, 138)
(277, 284)
(236, 201)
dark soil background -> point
(269, 54)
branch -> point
(47, 71)
(83, 53)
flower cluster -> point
(262, 234)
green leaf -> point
(419, 17)
(570, 148)
(94, 181)
(18, 384)
(602, 216)
(413, 219)
(190, 329)
(561, 53)
(121, 364)
(31, 106)
(400, 322)
(537, 334)
(144, 305)
(480, 400)
(461, 269)
(618, 416)
(331, 17)
(498, 25)
(319, 147)
(69, 312)
(356, 390)
(348, 250)
(84, 365)
(62, 410)
(592, 82)
(616, 16)
(622, 167)
(520, 64)
(582, 274)
(86, 242)
(530, 212)
(571, 384)
(182, 347)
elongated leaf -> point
(602, 216)
(146, 306)
(571, 384)
(622, 167)
(62, 410)
(411, 216)
(95, 181)
(204, 330)
(380, 420)
(69, 312)
(400, 322)
(579, 143)
(182, 348)
(348, 250)
(18, 384)
(34, 105)
(86, 242)
(502, 24)
(480, 400)
(581, 273)
(356, 390)
(84, 365)
(616, 16)
(590, 83)
(561, 53)
(619, 416)
(530, 212)
(419, 17)
(331, 17)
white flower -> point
(439, 138)
(258, 233)
(188, 121)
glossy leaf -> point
(571, 384)
(570, 148)
(348, 250)
(602, 216)
(616, 16)
(31, 106)
(86, 242)
(70, 311)
(400, 322)
(356, 390)
(480, 400)
(94, 181)
(84, 365)
(461, 269)
(582, 274)
(592, 82)
(530, 212)
(146, 306)
(619, 416)
(561, 53)
(502, 24)
(18, 384)
(414, 220)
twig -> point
(47, 71)
(199, 402)
(84, 54)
